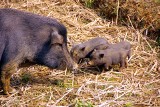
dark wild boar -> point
(33, 38)
(123, 44)
(109, 57)
(84, 50)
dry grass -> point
(142, 14)
(137, 86)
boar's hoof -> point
(11, 91)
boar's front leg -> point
(6, 73)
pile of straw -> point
(138, 85)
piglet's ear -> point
(101, 55)
(56, 37)
(83, 48)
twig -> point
(117, 12)
(62, 97)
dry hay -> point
(138, 85)
(141, 14)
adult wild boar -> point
(33, 38)
(84, 50)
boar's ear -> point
(101, 55)
(56, 38)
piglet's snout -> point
(91, 63)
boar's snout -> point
(70, 63)
(75, 66)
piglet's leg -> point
(126, 63)
(122, 64)
(6, 74)
(106, 66)
(129, 54)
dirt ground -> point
(136, 86)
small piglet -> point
(84, 50)
(123, 44)
(109, 57)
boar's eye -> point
(57, 44)
(101, 55)
(82, 49)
